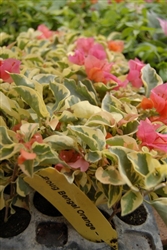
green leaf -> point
(160, 205)
(45, 155)
(109, 175)
(93, 137)
(80, 90)
(59, 142)
(34, 100)
(22, 188)
(92, 156)
(7, 151)
(103, 118)
(21, 80)
(29, 129)
(4, 137)
(150, 79)
(61, 93)
(9, 106)
(44, 78)
(27, 167)
(125, 166)
(114, 195)
(130, 202)
(112, 105)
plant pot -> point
(51, 231)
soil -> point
(44, 206)
(16, 223)
(52, 234)
(135, 218)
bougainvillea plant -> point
(75, 104)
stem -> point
(161, 185)
(12, 190)
(115, 211)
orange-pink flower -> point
(73, 159)
(159, 98)
(24, 156)
(84, 44)
(150, 137)
(99, 71)
(7, 66)
(78, 58)
(134, 75)
(116, 45)
(45, 32)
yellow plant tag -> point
(74, 205)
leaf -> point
(59, 142)
(7, 151)
(160, 205)
(103, 118)
(109, 175)
(44, 78)
(4, 36)
(112, 105)
(4, 137)
(9, 106)
(21, 80)
(45, 155)
(92, 156)
(22, 188)
(114, 195)
(130, 202)
(61, 93)
(84, 109)
(93, 137)
(80, 90)
(29, 129)
(27, 167)
(34, 100)
(150, 79)
(125, 166)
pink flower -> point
(163, 24)
(150, 138)
(7, 66)
(46, 33)
(24, 156)
(98, 51)
(73, 159)
(159, 98)
(134, 75)
(84, 44)
(99, 71)
(77, 58)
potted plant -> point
(81, 121)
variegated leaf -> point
(84, 109)
(114, 195)
(93, 137)
(4, 137)
(130, 201)
(22, 188)
(61, 93)
(150, 79)
(160, 205)
(34, 100)
(59, 142)
(109, 175)
(103, 118)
